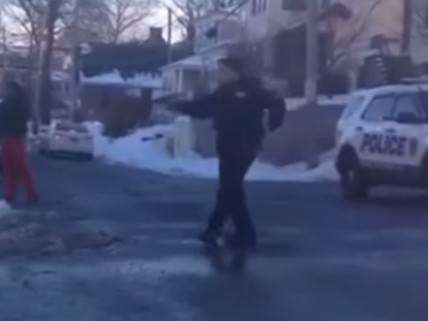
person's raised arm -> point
(203, 107)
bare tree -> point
(407, 26)
(124, 15)
(44, 95)
(339, 53)
(29, 16)
(38, 20)
(28, 23)
(189, 11)
(312, 52)
(420, 20)
(84, 21)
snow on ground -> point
(152, 155)
(294, 103)
(5, 209)
(142, 80)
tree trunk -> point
(312, 52)
(44, 89)
(407, 27)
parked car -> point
(382, 139)
(66, 138)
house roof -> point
(198, 61)
(191, 62)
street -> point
(116, 244)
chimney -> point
(155, 33)
(155, 37)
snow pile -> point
(141, 80)
(5, 209)
(296, 103)
(145, 149)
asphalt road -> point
(110, 243)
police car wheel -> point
(353, 183)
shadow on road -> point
(227, 260)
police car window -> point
(353, 105)
(379, 109)
(407, 104)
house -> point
(369, 46)
(265, 18)
(215, 34)
(184, 77)
(110, 94)
(419, 43)
(346, 39)
(120, 80)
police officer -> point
(237, 108)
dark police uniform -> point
(237, 110)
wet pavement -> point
(115, 244)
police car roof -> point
(392, 89)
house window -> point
(294, 5)
(259, 6)
(254, 9)
(426, 18)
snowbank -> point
(5, 209)
(142, 80)
(145, 149)
(295, 103)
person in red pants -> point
(14, 116)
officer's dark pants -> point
(235, 161)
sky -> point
(160, 19)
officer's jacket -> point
(238, 108)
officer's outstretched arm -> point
(277, 108)
(199, 108)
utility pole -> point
(75, 47)
(169, 35)
(312, 52)
(407, 27)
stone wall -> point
(306, 133)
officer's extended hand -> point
(178, 105)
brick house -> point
(345, 43)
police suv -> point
(382, 139)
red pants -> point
(16, 169)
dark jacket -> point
(14, 116)
(238, 109)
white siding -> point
(230, 30)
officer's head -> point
(13, 90)
(230, 69)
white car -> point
(382, 139)
(66, 138)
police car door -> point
(376, 119)
(404, 149)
